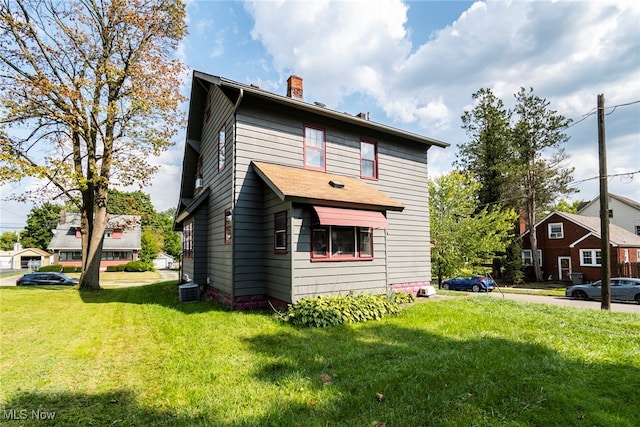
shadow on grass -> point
(117, 407)
(402, 376)
(162, 293)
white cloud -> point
(569, 52)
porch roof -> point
(320, 188)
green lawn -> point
(136, 356)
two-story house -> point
(623, 212)
(571, 244)
(122, 240)
(282, 199)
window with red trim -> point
(228, 226)
(341, 243)
(280, 237)
(314, 148)
(368, 159)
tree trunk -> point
(90, 277)
(533, 240)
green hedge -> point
(335, 310)
(138, 266)
(53, 267)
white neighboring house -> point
(623, 212)
(163, 262)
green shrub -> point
(402, 298)
(335, 310)
(111, 268)
(52, 267)
(71, 269)
(138, 266)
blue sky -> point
(414, 65)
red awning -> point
(350, 217)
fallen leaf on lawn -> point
(380, 397)
(326, 379)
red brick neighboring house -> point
(570, 244)
(122, 240)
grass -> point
(136, 356)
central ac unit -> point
(189, 292)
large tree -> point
(41, 221)
(8, 239)
(464, 236)
(488, 150)
(538, 175)
(518, 153)
(90, 92)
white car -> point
(622, 289)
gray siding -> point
(219, 257)
(402, 254)
(277, 265)
(340, 277)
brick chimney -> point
(294, 87)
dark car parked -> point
(46, 278)
(473, 283)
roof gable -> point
(618, 236)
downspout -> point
(233, 199)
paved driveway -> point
(629, 307)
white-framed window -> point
(555, 230)
(590, 257)
(638, 230)
(527, 259)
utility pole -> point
(604, 212)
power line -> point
(608, 176)
(593, 111)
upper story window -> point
(368, 159)
(221, 148)
(638, 230)
(108, 234)
(199, 173)
(314, 148)
(556, 231)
